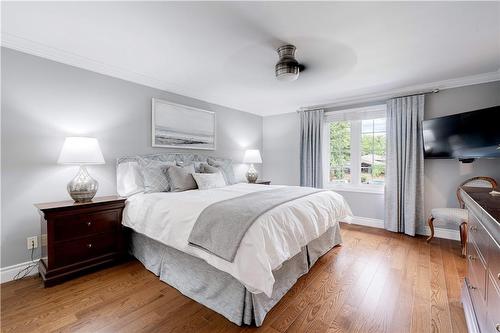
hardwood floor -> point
(376, 281)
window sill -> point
(354, 188)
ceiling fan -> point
(287, 68)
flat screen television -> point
(469, 135)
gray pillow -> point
(153, 174)
(207, 181)
(180, 178)
(197, 165)
(225, 167)
(205, 168)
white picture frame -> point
(182, 127)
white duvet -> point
(275, 237)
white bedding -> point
(275, 237)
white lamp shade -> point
(80, 150)
(252, 156)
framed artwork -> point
(183, 127)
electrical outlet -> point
(32, 242)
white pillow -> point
(206, 181)
(129, 179)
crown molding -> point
(410, 90)
(48, 52)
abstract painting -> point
(180, 126)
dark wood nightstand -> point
(80, 237)
(263, 182)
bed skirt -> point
(218, 290)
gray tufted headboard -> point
(180, 158)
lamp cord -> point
(26, 271)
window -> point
(355, 156)
(373, 151)
(340, 152)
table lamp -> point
(252, 156)
(81, 151)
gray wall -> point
(45, 101)
(281, 149)
(281, 152)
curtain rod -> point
(433, 91)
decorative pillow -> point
(180, 178)
(225, 167)
(207, 181)
(196, 164)
(205, 168)
(153, 174)
(129, 179)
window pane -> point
(373, 151)
(366, 175)
(340, 152)
(341, 175)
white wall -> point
(281, 147)
(44, 101)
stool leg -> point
(431, 226)
(463, 238)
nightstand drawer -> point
(75, 251)
(76, 226)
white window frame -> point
(355, 116)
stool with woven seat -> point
(459, 216)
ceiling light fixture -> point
(287, 68)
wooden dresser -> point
(481, 291)
(78, 237)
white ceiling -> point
(224, 52)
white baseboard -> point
(441, 233)
(367, 222)
(377, 223)
(7, 273)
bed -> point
(280, 246)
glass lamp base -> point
(252, 174)
(82, 188)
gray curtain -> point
(404, 164)
(311, 135)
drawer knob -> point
(89, 223)
(471, 257)
(473, 228)
(471, 287)
(89, 245)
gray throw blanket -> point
(221, 226)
